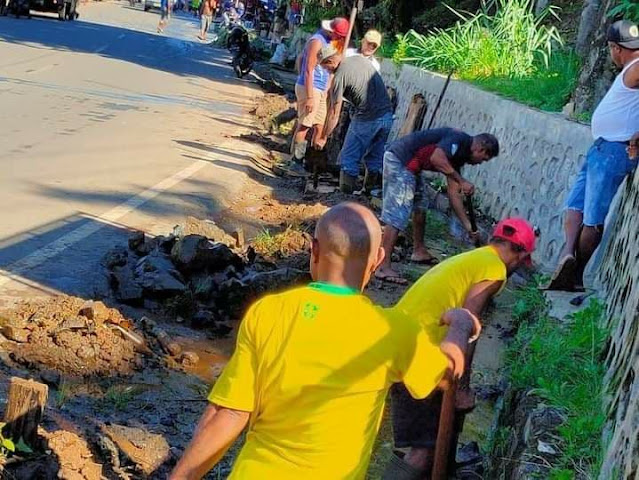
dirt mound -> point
(273, 211)
(71, 336)
(273, 109)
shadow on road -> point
(166, 53)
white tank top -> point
(616, 119)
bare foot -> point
(389, 275)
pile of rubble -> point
(71, 336)
(200, 277)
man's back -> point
(446, 285)
(357, 80)
(314, 365)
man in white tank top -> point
(615, 128)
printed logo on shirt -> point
(310, 311)
(453, 148)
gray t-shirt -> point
(358, 82)
(455, 143)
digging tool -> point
(445, 434)
(439, 100)
(471, 216)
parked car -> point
(66, 9)
(149, 4)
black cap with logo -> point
(624, 33)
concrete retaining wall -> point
(619, 284)
(540, 152)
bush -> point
(314, 13)
(511, 42)
(628, 9)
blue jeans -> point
(365, 139)
(605, 167)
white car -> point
(149, 4)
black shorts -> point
(415, 422)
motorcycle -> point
(239, 45)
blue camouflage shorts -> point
(403, 191)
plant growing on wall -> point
(505, 38)
(628, 9)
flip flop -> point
(564, 277)
(425, 261)
(394, 279)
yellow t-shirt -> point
(314, 365)
(446, 285)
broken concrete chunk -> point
(116, 257)
(209, 229)
(203, 319)
(127, 289)
(136, 239)
(147, 450)
(195, 253)
(157, 276)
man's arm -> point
(439, 161)
(215, 433)
(462, 327)
(480, 294)
(314, 46)
(456, 198)
(332, 117)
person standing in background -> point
(370, 43)
(311, 86)
(615, 129)
(206, 17)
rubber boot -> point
(299, 152)
(372, 181)
(398, 469)
(347, 183)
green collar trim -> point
(333, 289)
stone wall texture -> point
(540, 155)
(540, 152)
(619, 284)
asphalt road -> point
(106, 127)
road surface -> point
(108, 126)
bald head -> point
(349, 230)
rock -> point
(88, 310)
(136, 240)
(157, 276)
(195, 253)
(16, 334)
(209, 229)
(469, 453)
(189, 359)
(165, 243)
(116, 257)
(51, 378)
(147, 450)
(203, 319)
(204, 286)
(127, 289)
(147, 324)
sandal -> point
(564, 278)
(425, 261)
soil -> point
(59, 338)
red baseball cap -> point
(339, 26)
(517, 231)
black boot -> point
(347, 183)
(372, 181)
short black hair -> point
(489, 143)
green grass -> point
(504, 47)
(547, 89)
(118, 397)
(562, 364)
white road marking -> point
(17, 269)
(101, 49)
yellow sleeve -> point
(235, 388)
(425, 368)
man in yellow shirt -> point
(466, 281)
(313, 366)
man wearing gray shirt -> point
(357, 81)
